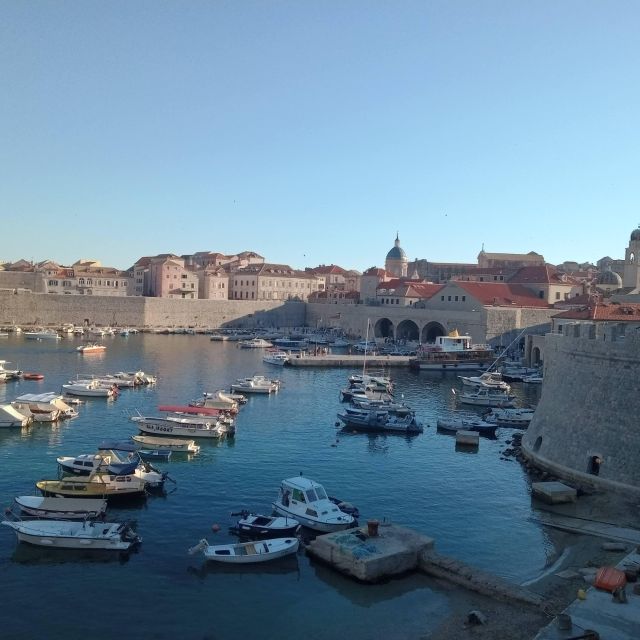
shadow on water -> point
(280, 566)
(32, 555)
(364, 594)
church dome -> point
(397, 252)
(635, 234)
(610, 278)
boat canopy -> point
(117, 445)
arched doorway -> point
(408, 330)
(431, 331)
(383, 328)
(535, 355)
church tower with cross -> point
(397, 262)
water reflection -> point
(32, 555)
(280, 566)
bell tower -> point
(632, 261)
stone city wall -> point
(22, 280)
(589, 409)
(498, 325)
(29, 309)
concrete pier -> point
(467, 438)
(336, 360)
(395, 550)
(553, 492)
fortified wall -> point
(32, 309)
(585, 428)
(497, 325)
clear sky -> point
(311, 132)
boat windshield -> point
(321, 493)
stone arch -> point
(535, 356)
(408, 330)
(383, 328)
(431, 331)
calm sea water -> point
(476, 506)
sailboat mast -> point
(366, 345)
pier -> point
(353, 361)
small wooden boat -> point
(151, 455)
(66, 534)
(452, 425)
(167, 444)
(91, 348)
(247, 552)
(61, 508)
(251, 524)
(32, 376)
(98, 486)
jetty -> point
(353, 361)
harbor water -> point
(476, 505)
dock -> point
(352, 361)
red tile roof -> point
(620, 312)
(502, 294)
(543, 274)
(330, 268)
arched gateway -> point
(431, 331)
(383, 328)
(408, 330)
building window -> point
(541, 295)
(441, 298)
(464, 298)
(449, 299)
(557, 295)
(456, 298)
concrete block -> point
(554, 492)
(393, 551)
(468, 438)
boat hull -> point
(178, 431)
(313, 523)
(219, 553)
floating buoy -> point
(215, 527)
(337, 424)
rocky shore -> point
(574, 554)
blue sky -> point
(311, 132)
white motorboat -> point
(279, 358)
(256, 384)
(90, 388)
(66, 534)
(91, 348)
(491, 379)
(61, 508)
(10, 374)
(185, 427)
(216, 400)
(11, 417)
(379, 420)
(247, 552)
(254, 343)
(44, 334)
(485, 397)
(37, 411)
(167, 444)
(307, 501)
(382, 384)
(50, 399)
(534, 378)
(94, 486)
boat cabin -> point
(452, 343)
(307, 495)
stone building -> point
(169, 278)
(405, 293)
(213, 283)
(631, 278)
(271, 282)
(509, 260)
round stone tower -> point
(585, 428)
(397, 261)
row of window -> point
(269, 283)
(88, 282)
(456, 298)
